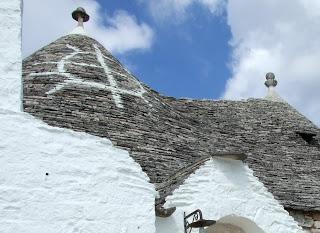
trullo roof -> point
(76, 83)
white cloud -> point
(176, 10)
(278, 36)
(267, 35)
(213, 5)
(46, 20)
(124, 33)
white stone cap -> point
(78, 30)
(271, 83)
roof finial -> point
(80, 15)
(271, 80)
(271, 83)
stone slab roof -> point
(75, 83)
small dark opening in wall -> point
(308, 137)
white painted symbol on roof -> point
(72, 79)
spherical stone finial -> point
(271, 81)
(80, 12)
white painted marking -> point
(72, 79)
(72, 63)
(112, 81)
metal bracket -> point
(197, 221)
(195, 215)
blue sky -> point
(212, 49)
(187, 59)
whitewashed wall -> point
(223, 188)
(90, 186)
(10, 54)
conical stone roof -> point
(76, 83)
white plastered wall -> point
(223, 188)
(54, 180)
(10, 54)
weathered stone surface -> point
(317, 224)
(303, 220)
(67, 84)
(307, 220)
(316, 216)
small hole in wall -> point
(307, 137)
(47, 173)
